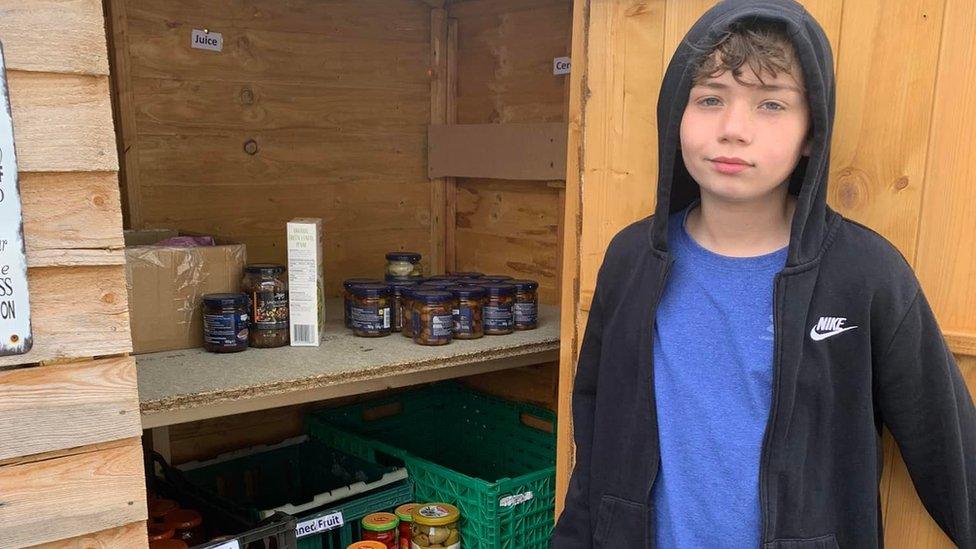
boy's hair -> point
(764, 46)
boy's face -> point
(762, 130)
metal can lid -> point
(225, 300)
(497, 278)
(499, 288)
(524, 284)
(405, 511)
(347, 283)
(468, 274)
(436, 514)
(265, 269)
(370, 290)
(432, 296)
(412, 257)
(465, 290)
(380, 522)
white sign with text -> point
(206, 40)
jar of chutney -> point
(267, 286)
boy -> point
(746, 343)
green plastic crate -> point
(493, 459)
(304, 478)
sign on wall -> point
(15, 327)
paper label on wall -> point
(15, 326)
(318, 525)
(561, 65)
(204, 40)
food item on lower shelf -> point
(160, 507)
(499, 313)
(267, 286)
(400, 295)
(433, 317)
(468, 311)
(225, 323)
(436, 525)
(403, 264)
(526, 309)
(381, 527)
(371, 310)
(405, 514)
(188, 525)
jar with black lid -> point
(347, 296)
(499, 317)
(433, 317)
(225, 326)
(468, 311)
(400, 295)
(266, 284)
(442, 278)
(496, 278)
(526, 304)
(466, 274)
(371, 310)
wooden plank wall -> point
(335, 96)
(901, 162)
(70, 457)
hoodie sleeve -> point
(573, 529)
(925, 403)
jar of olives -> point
(499, 316)
(403, 264)
(371, 310)
(436, 525)
(526, 308)
(267, 286)
(468, 312)
(347, 295)
(433, 317)
(400, 290)
(381, 527)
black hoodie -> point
(821, 458)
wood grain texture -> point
(47, 408)
(72, 495)
(54, 36)
(76, 312)
(71, 218)
(522, 151)
(132, 535)
(62, 122)
(438, 116)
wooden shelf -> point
(189, 385)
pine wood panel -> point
(131, 535)
(46, 408)
(54, 36)
(72, 495)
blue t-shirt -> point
(713, 371)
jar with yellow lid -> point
(367, 545)
(382, 528)
(436, 525)
(405, 514)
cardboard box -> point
(306, 283)
(166, 286)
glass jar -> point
(347, 296)
(267, 286)
(403, 264)
(499, 317)
(526, 308)
(371, 310)
(381, 527)
(225, 323)
(406, 311)
(468, 310)
(188, 525)
(400, 290)
(496, 278)
(467, 274)
(472, 281)
(159, 531)
(436, 524)
(436, 284)
(160, 508)
(433, 317)
(442, 278)
(405, 514)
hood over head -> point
(676, 189)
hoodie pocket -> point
(619, 523)
(823, 542)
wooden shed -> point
(448, 127)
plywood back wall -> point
(505, 53)
(334, 95)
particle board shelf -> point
(192, 384)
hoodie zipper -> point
(764, 456)
(657, 302)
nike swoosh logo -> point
(817, 336)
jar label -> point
(270, 310)
(526, 313)
(226, 330)
(464, 320)
(441, 326)
(498, 317)
(370, 319)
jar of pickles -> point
(403, 264)
(436, 525)
(405, 514)
(267, 286)
(526, 308)
(400, 289)
(467, 312)
(347, 295)
(381, 527)
(499, 316)
(371, 310)
(433, 317)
